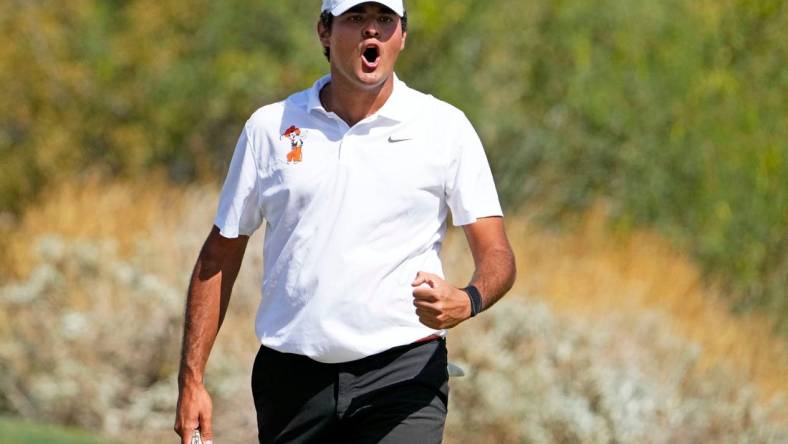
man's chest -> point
(398, 163)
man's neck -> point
(351, 103)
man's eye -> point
(386, 19)
(355, 18)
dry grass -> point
(97, 209)
(626, 305)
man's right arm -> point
(208, 297)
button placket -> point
(344, 129)
(344, 144)
(349, 135)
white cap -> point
(338, 7)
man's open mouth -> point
(371, 56)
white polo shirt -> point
(352, 222)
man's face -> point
(364, 42)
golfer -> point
(355, 178)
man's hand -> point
(194, 412)
(438, 303)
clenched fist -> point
(438, 303)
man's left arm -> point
(442, 305)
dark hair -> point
(327, 20)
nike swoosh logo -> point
(398, 139)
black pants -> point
(397, 396)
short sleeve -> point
(470, 189)
(239, 210)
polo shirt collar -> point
(313, 96)
(395, 107)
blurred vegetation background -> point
(673, 112)
(670, 115)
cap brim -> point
(344, 6)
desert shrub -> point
(536, 377)
(91, 338)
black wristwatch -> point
(476, 299)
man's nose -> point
(371, 29)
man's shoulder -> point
(428, 102)
(434, 108)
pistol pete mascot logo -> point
(296, 143)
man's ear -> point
(404, 37)
(324, 34)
